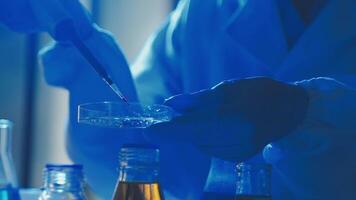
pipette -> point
(68, 27)
(56, 17)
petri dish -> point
(123, 115)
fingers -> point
(62, 64)
(48, 13)
(106, 50)
(230, 139)
(51, 13)
(65, 65)
(81, 17)
(182, 129)
(183, 103)
(17, 16)
(202, 101)
(225, 94)
(230, 121)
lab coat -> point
(205, 42)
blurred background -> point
(39, 111)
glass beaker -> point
(8, 178)
(123, 115)
(253, 181)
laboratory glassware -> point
(123, 115)
(138, 177)
(63, 182)
(8, 179)
(253, 181)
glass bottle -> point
(8, 179)
(138, 177)
(253, 181)
(63, 182)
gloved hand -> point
(235, 119)
(317, 161)
(29, 16)
(65, 67)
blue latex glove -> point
(235, 119)
(318, 159)
(30, 16)
(64, 65)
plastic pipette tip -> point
(117, 91)
(87, 54)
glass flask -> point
(8, 179)
(63, 182)
(138, 177)
(253, 181)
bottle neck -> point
(253, 179)
(139, 164)
(138, 174)
(63, 178)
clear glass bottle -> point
(63, 182)
(253, 181)
(8, 179)
(138, 177)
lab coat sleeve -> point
(156, 72)
(318, 160)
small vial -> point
(8, 179)
(253, 182)
(138, 177)
(63, 182)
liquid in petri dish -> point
(138, 191)
(253, 197)
(121, 122)
(7, 192)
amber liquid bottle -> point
(138, 177)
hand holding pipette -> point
(64, 20)
(67, 25)
(63, 27)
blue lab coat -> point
(202, 43)
(206, 42)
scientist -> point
(299, 110)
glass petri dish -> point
(123, 115)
